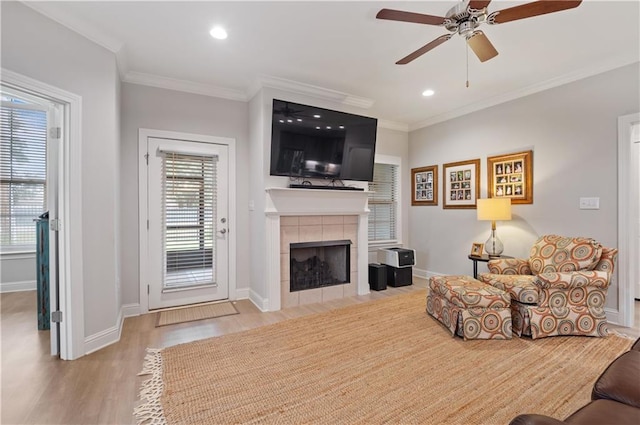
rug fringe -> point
(150, 411)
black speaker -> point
(377, 277)
(399, 276)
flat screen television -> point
(312, 142)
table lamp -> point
(494, 209)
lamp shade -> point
(494, 209)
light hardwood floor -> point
(103, 387)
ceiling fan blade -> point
(481, 46)
(417, 18)
(478, 4)
(424, 49)
(530, 9)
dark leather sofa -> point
(615, 398)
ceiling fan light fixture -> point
(428, 92)
(464, 19)
(218, 33)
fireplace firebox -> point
(319, 264)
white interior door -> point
(54, 126)
(187, 204)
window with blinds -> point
(383, 203)
(23, 172)
(189, 214)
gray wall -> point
(572, 130)
(17, 272)
(160, 109)
(62, 58)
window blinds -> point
(189, 214)
(23, 173)
(383, 203)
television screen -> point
(312, 142)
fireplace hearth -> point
(319, 264)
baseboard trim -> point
(242, 294)
(261, 303)
(613, 316)
(130, 310)
(27, 285)
(424, 274)
(110, 335)
(104, 338)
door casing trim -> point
(628, 211)
(70, 269)
(143, 135)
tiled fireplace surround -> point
(315, 228)
(308, 215)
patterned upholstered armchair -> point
(560, 290)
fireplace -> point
(302, 216)
(319, 264)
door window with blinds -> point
(383, 203)
(23, 172)
(189, 217)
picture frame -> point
(476, 249)
(511, 176)
(424, 186)
(461, 186)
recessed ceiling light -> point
(341, 126)
(218, 33)
(316, 116)
(328, 127)
(289, 120)
(428, 93)
(318, 128)
(299, 119)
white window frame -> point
(397, 161)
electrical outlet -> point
(589, 203)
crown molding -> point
(393, 125)
(526, 91)
(78, 26)
(183, 85)
(266, 81)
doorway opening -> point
(31, 129)
(187, 211)
(65, 160)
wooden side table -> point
(483, 258)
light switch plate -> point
(589, 203)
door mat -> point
(200, 312)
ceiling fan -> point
(467, 16)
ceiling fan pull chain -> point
(467, 64)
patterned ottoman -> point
(469, 308)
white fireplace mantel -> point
(289, 202)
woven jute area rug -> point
(384, 361)
(200, 312)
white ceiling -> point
(343, 48)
